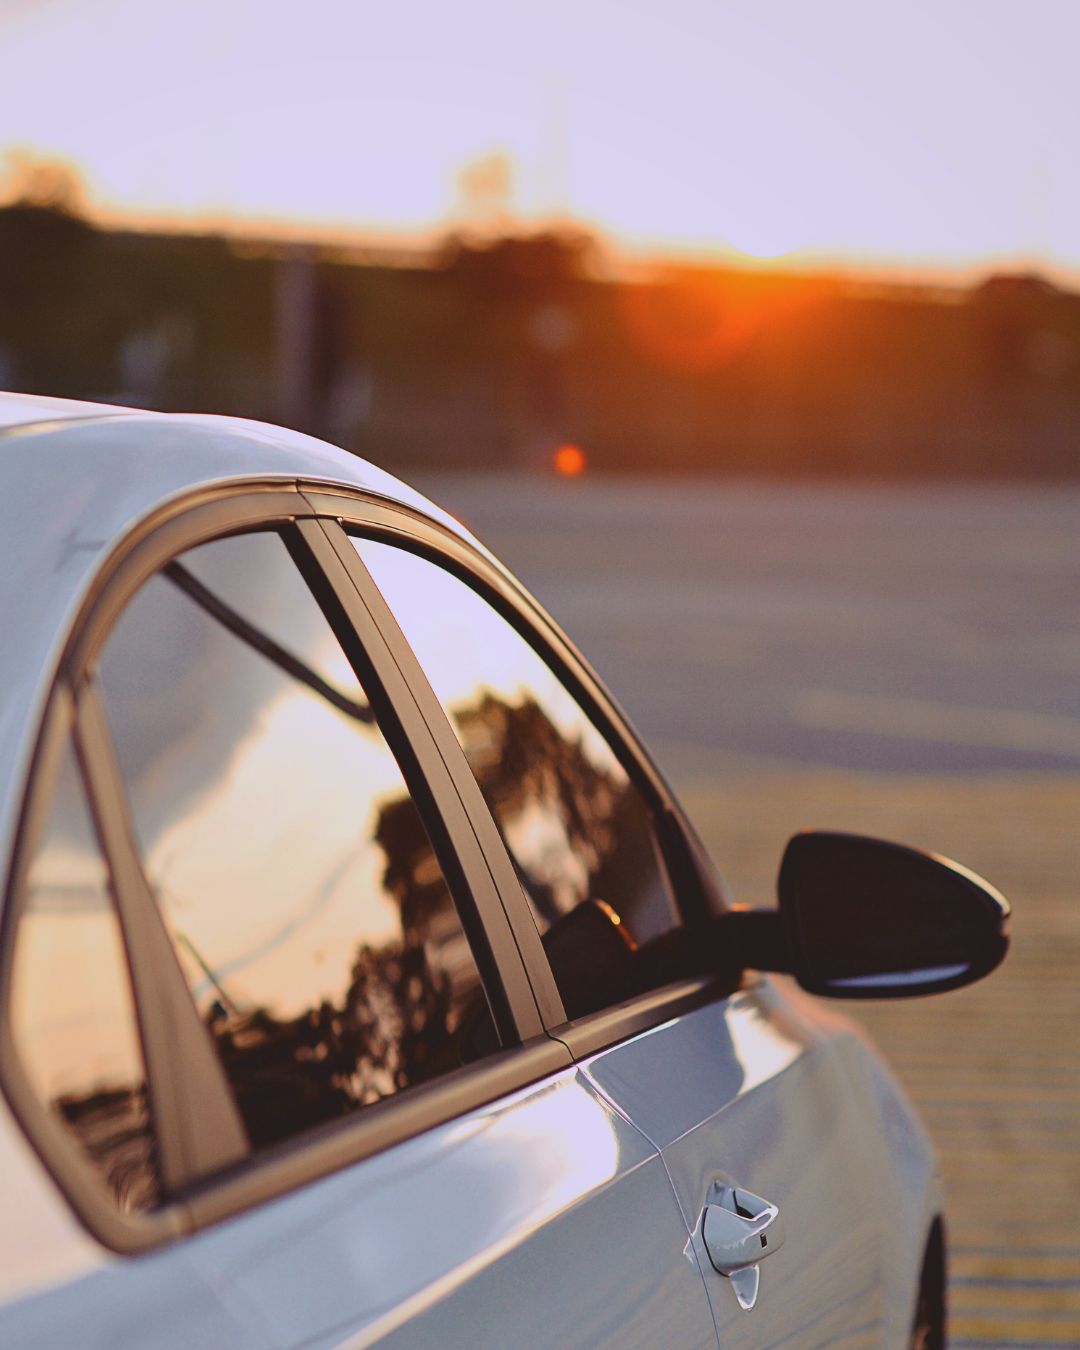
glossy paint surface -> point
(22, 409)
(160, 1303)
(756, 1093)
(546, 1217)
(48, 1247)
(545, 1220)
(548, 1214)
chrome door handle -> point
(740, 1230)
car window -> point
(72, 1012)
(290, 863)
(579, 833)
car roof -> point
(77, 477)
(235, 448)
(22, 409)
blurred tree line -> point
(494, 351)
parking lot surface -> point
(900, 661)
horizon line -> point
(414, 243)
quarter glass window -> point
(577, 829)
(72, 1011)
(291, 866)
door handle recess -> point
(740, 1230)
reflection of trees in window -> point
(343, 1005)
(412, 874)
(393, 1029)
(576, 831)
(554, 806)
(581, 839)
(413, 1009)
(113, 1125)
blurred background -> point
(749, 334)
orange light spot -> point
(569, 461)
(691, 323)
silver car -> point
(364, 982)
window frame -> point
(73, 709)
(314, 519)
(695, 886)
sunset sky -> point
(934, 134)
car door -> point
(737, 1091)
(359, 1119)
(742, 1096)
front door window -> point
(577, 828)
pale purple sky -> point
(927, 134)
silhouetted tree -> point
(45, 250)
(520, 267)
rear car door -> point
(353, 1126)
(737, 1091)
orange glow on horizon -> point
(569, 461)
(688, 324)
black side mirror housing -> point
(863, 918)
(858, 918)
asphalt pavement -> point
(902, 661)
(889, 629)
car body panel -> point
(20, 410)
(48, 1246)
(518, 1215)
(738, 1093)
(158, 1303)
(905, 1171)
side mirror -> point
(868, 919)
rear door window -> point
(289, 861)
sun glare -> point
(569, 461)
(766, 240)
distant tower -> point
(486, 186)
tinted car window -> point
(579, 833)
(72, 1010)
(290, 863)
